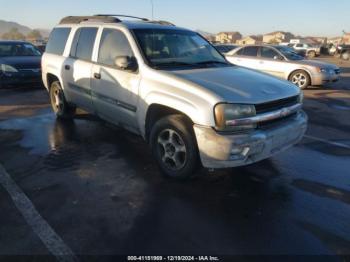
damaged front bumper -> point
(223, 151)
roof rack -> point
(107, 19)
(80, 19)
(126, 16)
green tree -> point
(13, 34)
(34, 35)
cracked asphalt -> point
(99, 189)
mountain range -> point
(6, 26)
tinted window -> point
(83, 43)
(268, 53)
(113, 43)
(248, 51)
(57, 41)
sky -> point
(302, 17)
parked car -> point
(19, 64)
(283, 63)
(172, 87)
(225, 48)
(310, 51)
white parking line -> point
(328, 142)
(41, 228)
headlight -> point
(324, 70)
(8, 69)
(224, 113)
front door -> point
(271, 62)
(114, 90)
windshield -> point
(165, 48)
(18, 49)
(289, 53)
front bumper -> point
(21, 78)
(223, 151)
(324, 78)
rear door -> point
(77, 69)
(115, 90)
(246, 57)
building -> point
(250, 40)
(277, 37)
(228, 37)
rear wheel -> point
(345, 56)
(173, 144)
(58, 102)
(300, 78)
(311, 54)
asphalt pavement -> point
(84, 187)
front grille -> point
(276, 105)
(275, 122)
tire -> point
(345, 56)
(58, 102)
(300, 78)
(311, 54)
(174, 146)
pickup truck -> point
(310, 51)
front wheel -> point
(58, 102)
(173, 144)
(301, 79)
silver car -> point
(169, 85)
(281, 62)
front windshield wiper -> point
(211, 62)
(173, 63)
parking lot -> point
(87, 188)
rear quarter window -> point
(57, 41)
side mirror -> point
(276, 57)
(126, 63)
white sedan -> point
(282, 62)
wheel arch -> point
(157, 111)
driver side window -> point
(113, 44)
(268, 53)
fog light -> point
(239, 153)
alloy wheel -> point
(299, 79)
(172, 149)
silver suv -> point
(172, 87)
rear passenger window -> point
(57, 41)
(113, 44)
(248, 51)
(83, 43)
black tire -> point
(311, 54)
(301, 79)
(58, 102)
(172, 138)
(345, 56)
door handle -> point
(67, 67)
(97, 75)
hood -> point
(316, 63)
(239, 85)
(22, 62)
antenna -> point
(152, 4)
